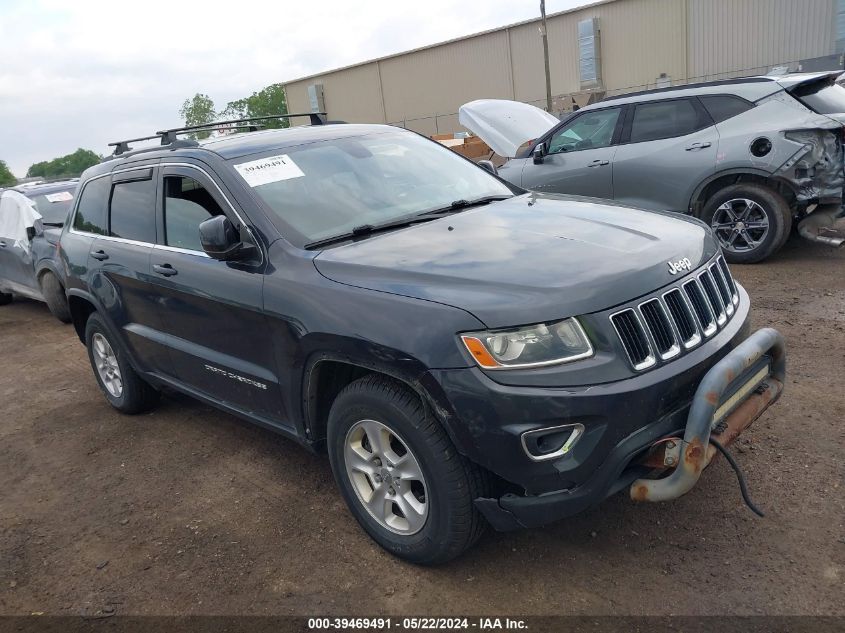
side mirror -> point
(488, 165)
(220, 239)
(538, 153)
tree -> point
(68, 166)
(7, 178)
(198, 111)
(265, 102)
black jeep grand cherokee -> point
(460, 348)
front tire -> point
(751, 221)
(119, 382)
(400, 474)
(54, 296)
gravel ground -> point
(190, 511)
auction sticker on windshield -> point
(271, 169)
(62, 196)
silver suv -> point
(751, 157)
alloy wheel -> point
(740, 224)
(107, 367)
(386, 477)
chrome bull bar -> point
(694, 455)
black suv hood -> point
(531, 258)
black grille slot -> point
(633, 338)
(658, 324)
(681, 315)
(722, 286)
(713, 295)
(699, 304)
(727, 274)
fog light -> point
(552, 442)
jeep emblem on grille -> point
(678, 266)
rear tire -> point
(426, 518)
(751, 221)
(54, 294)
(119, 382)
(5, 299)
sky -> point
(88, 72)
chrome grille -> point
(634, 339)
(660, 327)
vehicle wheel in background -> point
(5, 298)
(122, 386)
(751, 221)
(54, 295)
(400, 474)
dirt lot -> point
(191, 511)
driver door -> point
(579, 156)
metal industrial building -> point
(605, 48)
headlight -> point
(530, 346)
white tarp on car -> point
(505, 125)
(17, 214)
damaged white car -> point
(751, 157)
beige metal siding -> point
(352, 95)
(740, 37)
(640, 39)
(439, 80)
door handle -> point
(2, 244)
(100, 255)
(598, 163)
(165, 269)
(695, 146)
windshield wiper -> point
(425, 216)
(461, 205)
(56, 224)
(369, 229)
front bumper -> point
(628, 465)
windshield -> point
(327, 188)
(53, 207)
(828, 100)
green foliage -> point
(198, 111)
(7, 178)
(265, 102)
(69, 166)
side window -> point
(93, 202)
(186, 205)
(664, 119)
(132, 214)
(589, 130)
(723, 107)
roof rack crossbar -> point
(317, 118)
(169, 137)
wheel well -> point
(80, 310)
(704, 194)
(326, 380)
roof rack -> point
(169, 137)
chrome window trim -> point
(675, 349)
(163, 247)
(649, 360)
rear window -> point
(53, 207)
(663, 119)
(723, 107)
(823, 98)
(133, 211)
(91, 215)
